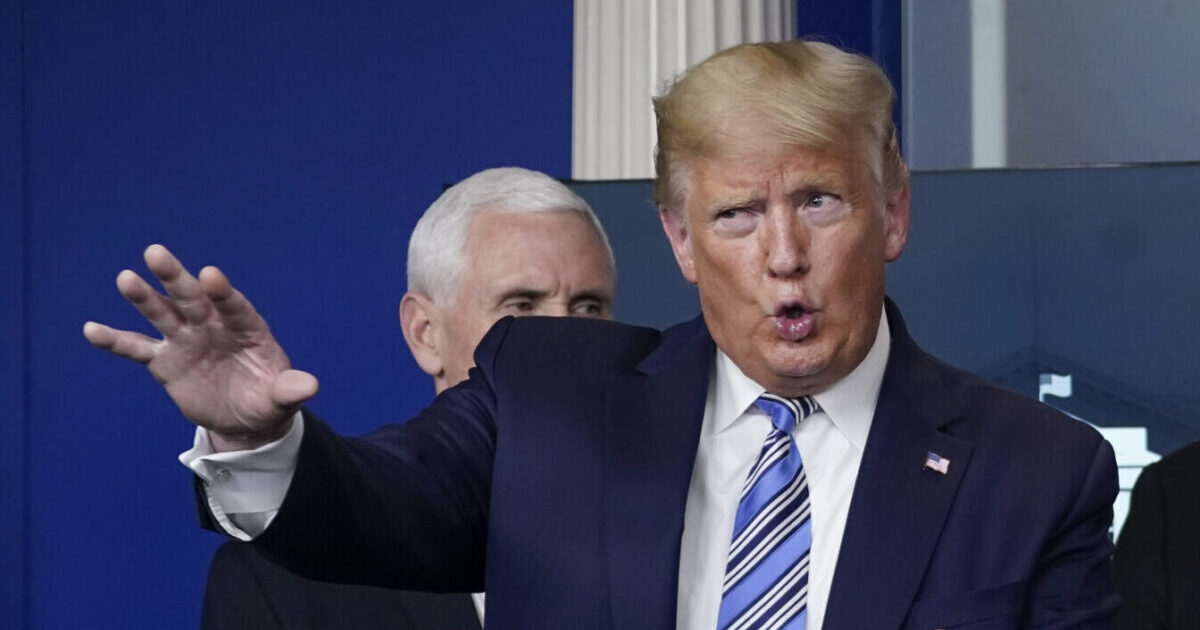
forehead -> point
(505, 245)
(493, 228)
(735, 175)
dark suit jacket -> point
(1158, 553)
(247, 592)
(560, 470)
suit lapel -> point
(652, 427)
(899, 506)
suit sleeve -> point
(1072, 586)
(1139, 561)
(403, 507)
(234, 597)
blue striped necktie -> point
(766, 577)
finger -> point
(125, 343)
(156, 308)
(292, 387)
(182, 286)
(237, 311)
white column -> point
(627, 51)
(989, 85)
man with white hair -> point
(504, 241)
(789, 459)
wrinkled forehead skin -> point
(849, 162)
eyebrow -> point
(750, 198)
(598, 295)
(810, 183)
(520, 292)
(826, 181)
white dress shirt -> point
(246, 488)
(831, 446)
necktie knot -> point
(785, 413)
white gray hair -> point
(436, 256)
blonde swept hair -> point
(810, 95)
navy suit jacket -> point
(558, 473)
(247, 592)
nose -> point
(557, 309)
(786, 242)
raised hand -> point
(217, 359)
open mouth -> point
(793, 322)
(790, 312)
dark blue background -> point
(295, 144)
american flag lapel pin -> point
(933, 461)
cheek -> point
(855, 246)
(847, 273)
(463, 333)
(730, 294)
(474, 334)
(718, 281)
(725, 259)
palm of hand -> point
(217, 359)
(221, 379)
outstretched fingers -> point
(125, 343)
(235, 310)
(187, 296)
(156, 308)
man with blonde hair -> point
(789, 459)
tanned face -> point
(788, 249)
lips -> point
(793, 321)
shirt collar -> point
(849, 403)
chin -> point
(790, 386)
(797, 374)
(796, 358)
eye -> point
(520, 307)
(821, 209)
(735, 221)
(588, 308)
(820, 200)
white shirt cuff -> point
(245, 488)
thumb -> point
(292, 388)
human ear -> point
(675, 225)
(896, 216)
(420, 321)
